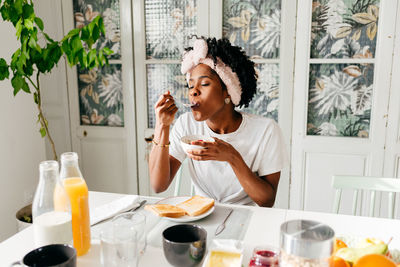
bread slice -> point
(196, 205)
(165, 210)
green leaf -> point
(65, 47)
(42, 132)
(76, 44)
(96, 19)
(16, 83)
(101, 26)
(48, 38)
(25, 86)
(91, 56)
(18, 6)
(39, 23)
(19, 27)
(4, 72)
(5, 13)
(28, 24)
(55, 54)
(32, 43)
(107, 51)
(96, 33)
(85, 34)
(27, 11)
(101, 58)
(70, 34)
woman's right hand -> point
(165, 109)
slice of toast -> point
(196, 205)
(165, 210)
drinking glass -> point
(132, 221)
(120, 243)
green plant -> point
(38, 53)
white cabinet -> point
(329, 74)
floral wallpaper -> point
(100, 90)
(340, 99)
(254, 25)
(340, 95)
(163, 77)
(344, 28)
(86, 10)
(168, 24)
(101, 96)
(266, 100)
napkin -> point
(113, 208)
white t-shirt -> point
(258, 140)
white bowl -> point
(186, 141)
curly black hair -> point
(238, 61)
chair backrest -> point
(373, 184)
(178, 179)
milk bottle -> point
(51, 213)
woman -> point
(243, 164)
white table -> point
(263, 228)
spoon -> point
(188, 105)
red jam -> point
(264, 258)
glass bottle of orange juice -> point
(77, 191)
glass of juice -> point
(77, 190)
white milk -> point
(52, 228)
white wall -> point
(21, 147)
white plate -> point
(185, 218)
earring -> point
(227, 100)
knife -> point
(221, 227)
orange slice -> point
(374, 260)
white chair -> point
(390, 185)
(178, 179)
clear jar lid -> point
(307, 239)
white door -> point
(102, 100)
(158, 47)
(342, 80)
(392, 145)
(160, 34)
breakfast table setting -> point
(245, 227)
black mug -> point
(184, 244)
(55, 255)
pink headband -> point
(199, 56)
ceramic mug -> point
(55, 255)
(184, 245)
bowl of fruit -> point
(363, 252)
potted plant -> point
(34, 58)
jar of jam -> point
(265, 256)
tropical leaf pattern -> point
(101, 96)
(86, 10)
(168, 24)
(100, 90)
(266, 100)
(254, 25)
(340, 99)
(163, 77)
(344, 28)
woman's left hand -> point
(218, 150)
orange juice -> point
(77, 191)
